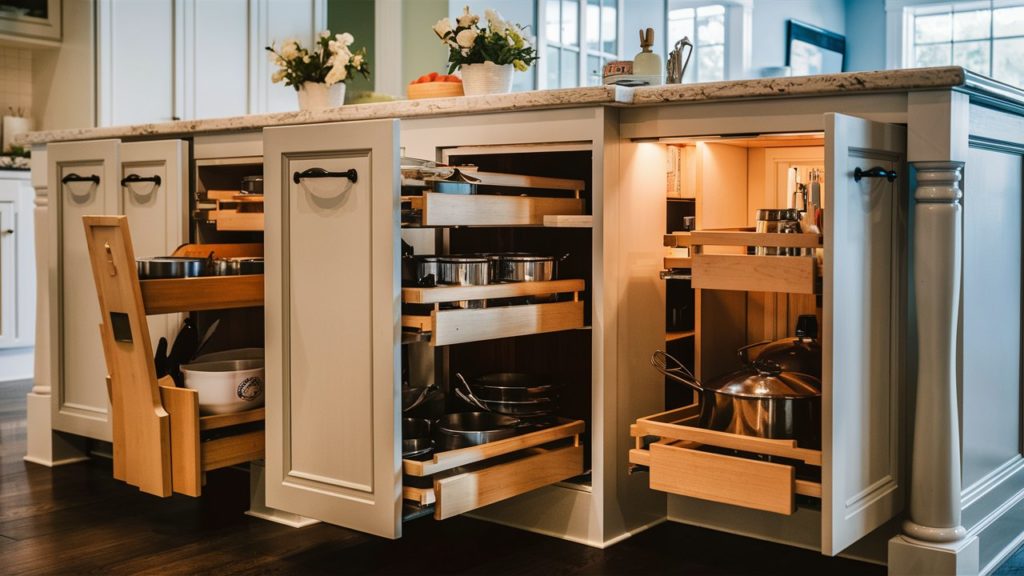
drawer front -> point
(719, 478)
(458, 326)
(468, 491)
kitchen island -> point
(919, 413)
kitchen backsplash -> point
(15, 82)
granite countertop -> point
(847, 83)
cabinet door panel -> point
(864, 306)
(156, 213)
(333, 321)
(8, 267)
(79, 374)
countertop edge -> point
(983, 89)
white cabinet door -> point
(333, 324)
(863, 484)
(82, 180)
(276, 21)
(214, 52)
(134, 61)
(156, 211)
(8, 275)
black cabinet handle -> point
(72, 177)
(132, 178)
(876, 172)
(321, 173)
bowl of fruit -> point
(435, 85)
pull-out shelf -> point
(438, 210)
(469, 478)
(739, 271)
(745, 471)
(456, 326)
(202, 293)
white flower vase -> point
(487, 78)
(320, 96)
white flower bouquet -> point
(501, 42)
(330, 61)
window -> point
(705, 26)
(580, 36)
(985, 37)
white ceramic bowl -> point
(233, 354)
(226, 386)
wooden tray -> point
(489, 210)
(475, 325)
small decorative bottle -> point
(647, 64)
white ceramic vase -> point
(319, 96)
(487, 78)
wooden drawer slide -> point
(719, 478)
(468, 491)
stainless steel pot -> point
(415, 428)
(527, 267)
(777, 221)
(417, 448)
(463, 270)
(474, 428)
(419, 270)
(252, 185)
(249, 265)
(171, 267)
(759, 400)
(422, 402)
(528, 407)
(511, 387)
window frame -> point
(582, 74)
(899, 32)
(738, 33)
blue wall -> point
(865, 34)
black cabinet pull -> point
(72, 177)
(876, 172)
(133, 178)
(321, 173)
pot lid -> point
(768, 383)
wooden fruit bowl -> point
(434, 90)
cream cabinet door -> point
(154, 196)
(863, 483)
(333, 323)
(8, 275)
(82, 180)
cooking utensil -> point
(463, 270)
(206, 338)
(800, 354)
(415, 428)
(226, 386)
(474, 428)
(422, 402)
(675, 65)
(184, 347)
(160, 358)
(528, 267)
(417, 448)
(457, 183)
(248, 265)
(528, 408)
(760, 400)
(421, 270)
(233, 354)
(511, 386)
(252, 184)
(170, 267)
(776, 221)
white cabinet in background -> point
(17, 266)
(163, 59)
(89, 179)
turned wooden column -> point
(41, 361)
(938, 244)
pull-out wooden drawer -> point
(439, 210)
(456, 326)
(738, 271)
(473, 477)
(745, 471)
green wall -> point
(422, 52)
(356, 18)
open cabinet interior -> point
(536, 329)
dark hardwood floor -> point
(76, 519)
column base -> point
(46, 446)
(912, 557)
(258, 501)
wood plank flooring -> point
(76, 519)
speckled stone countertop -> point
(847, 83)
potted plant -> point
(487, 56)
(319, 75)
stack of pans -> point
(525, 396)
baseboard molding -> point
(994, 515)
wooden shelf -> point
(672, 336)
(742, 237)
(232, 220)
(679, 466)
(451, 459)
(508, 290)
(677, 262)
(202, 293)
(474, 325)
(439, 210)
(215, 421)
(557, 221)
